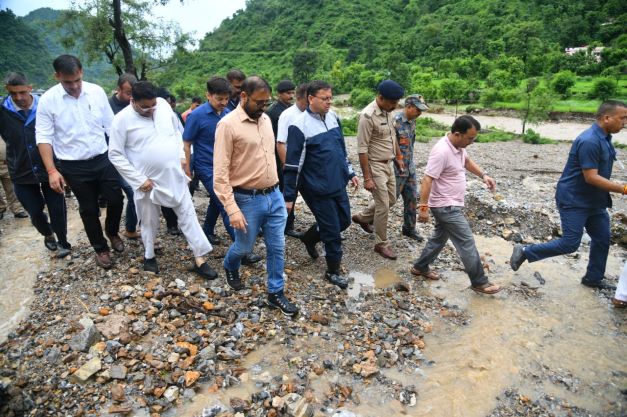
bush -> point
(603, 89)
(562, 82)
(349, 126)
(534, 138)
(490, 96)
(360, 98)
(496, 136)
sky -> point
(201, 16)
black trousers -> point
(89, 179)
(33, 198)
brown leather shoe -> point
(385, 251)
(364, 224)
(131, 235)
(430, 274)
(116, 243)
(103, 259)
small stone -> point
(118, 372)
(133, 271)
(87, 370)
(87, 337)
(117, 393)
(193, 349)
(278, 402)
(104, 311)
(171, 394)
(120, 409)
(319, 318)
(173, 357)
(191, 377)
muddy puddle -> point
(558, 339)
(22, 257)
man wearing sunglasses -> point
(72, 120)
(246, 181)
(146, 148)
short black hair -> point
(196, 99)
(464, 123)
(127, 78)
(144, 90)
(15, 79)
(218, 85)
(301, 90)
(609, 107)
(255, 83)
(235, 74)
(67, 64)
(315, 86)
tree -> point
(127, 33)
(304, 64)
(603, 89)
(562, 82)
(538, 101)
(453, 90)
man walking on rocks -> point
(405, 126)
(30, 181)
(236, 78)
(377, 148)
(442, 190)
(72, 120)
(246, 181)
(317, 165)
(583, 196)
(146, 148)
(200, 132)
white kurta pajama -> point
(144, 148)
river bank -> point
(174, 345)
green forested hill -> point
(356, 42)
(31, 43)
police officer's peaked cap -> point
(285, 85)
(391, 90)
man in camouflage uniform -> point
(405, 126)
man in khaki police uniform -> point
(377, 148)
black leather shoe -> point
(294, 233)
(64, 249)
(214, 240)
(250, 259)
(205, 271)
(233, 280)
(518, 257)
(2, 213)
(413, 234)
(150, 265)
(600, 285)
(336, 279)
(174, 231)
(50, 243)
(280, 301)
(20, 215)
(311, 248)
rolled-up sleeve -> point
(44, 123)
(364, 131)
(222, 154)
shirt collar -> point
(600, 132)
(377, 109)
(450, 144)
(243, 116)
(316, 116)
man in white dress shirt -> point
(146, 147)
(72, 120)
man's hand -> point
(400, 164)
(186, 168)
(289, 206)
(369, 185)
(56, 181)
(489, 181)
(355, 182)
(238, 221)
(147, 186)
(423, 214)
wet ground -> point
(544, 346)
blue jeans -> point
(266, 212)
(214, 210)
(33, 197)
(131, 213)
(597, 224)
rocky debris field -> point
(100, 343)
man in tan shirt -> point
(377, 148)
(246, 182)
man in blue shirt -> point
(583, 196)
(200, 131)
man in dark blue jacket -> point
(28, 174)
(317, 165)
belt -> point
(384, 161)
(261, 191)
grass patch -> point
(534, 138)
(427, 129)
(496, 136)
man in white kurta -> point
(146, 148)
